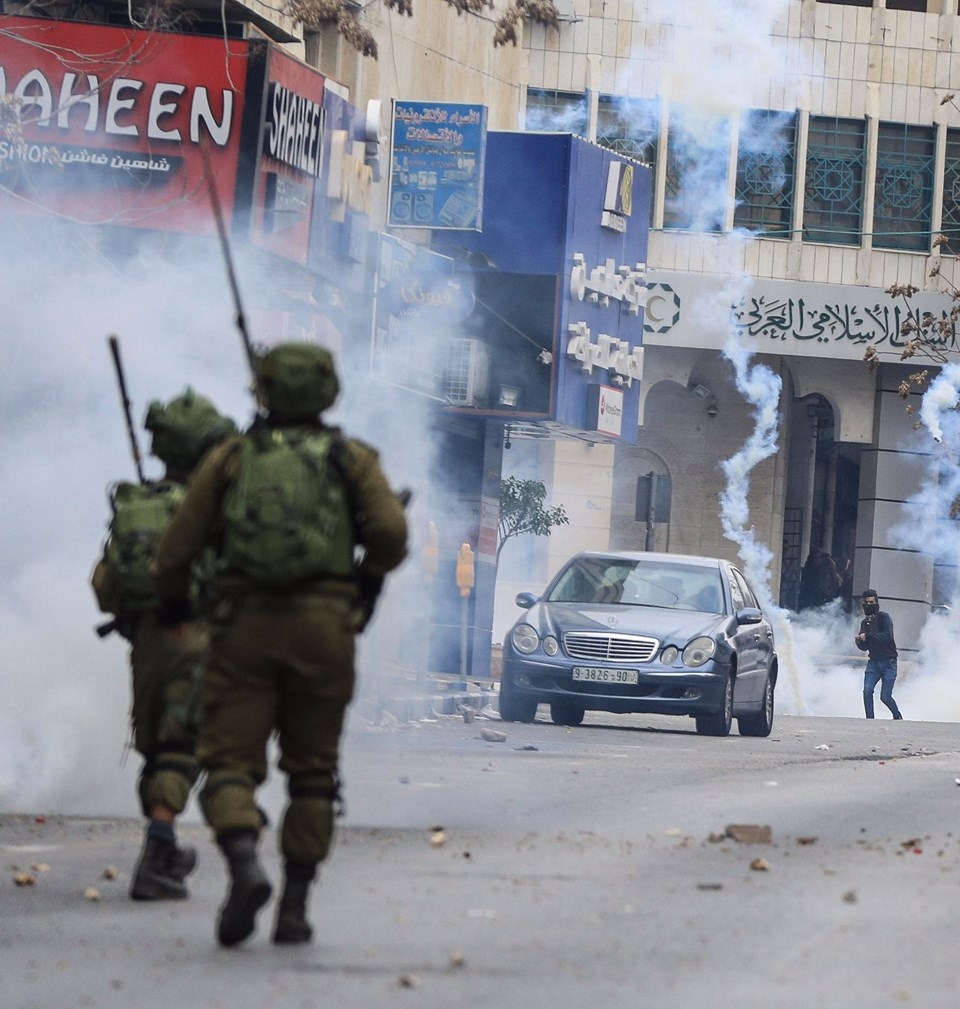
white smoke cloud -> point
(63, 723)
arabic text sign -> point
(437, 158)
(113, 132)
(796, 319)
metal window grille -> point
(555, 112)
(903, 190)
(629, 126)
(766, 158)
(696, 172)
(834, 180)
(950, 225)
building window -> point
(629, 126)
(920, 6)
(556, 112)
(849, 3)
(696, 196)
(765, 172)
(903, 191)
(833, 186)
(950, 226)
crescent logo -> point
(662, 309)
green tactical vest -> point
(141, 513)
(287, 518)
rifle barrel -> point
(125, 400)
(240, 317)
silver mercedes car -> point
(643, 632)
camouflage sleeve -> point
(196, 523)
(381, 522)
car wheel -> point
(761, 723)
(513, 708)
(718, 723)
(566, 713)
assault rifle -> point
(125, 400)
(114, 343)
(370, 589)
(239, 318)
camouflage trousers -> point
(282, 664)
(166, 670)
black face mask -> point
(871, 608)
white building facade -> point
(806, 155)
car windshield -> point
(672, 585)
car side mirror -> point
(526, 599)
(749, 615)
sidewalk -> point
(408, 696)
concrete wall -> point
(890, 556)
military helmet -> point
(185, 428)
(297, 379)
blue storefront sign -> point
(437, 165)
(558, 272)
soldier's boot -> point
(291, 926)
(155, 877)
(249, 887)
(183, 860)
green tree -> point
(522, 511)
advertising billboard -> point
(285, 145)
(105, 125)
(436, 165)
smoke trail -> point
(942, 396)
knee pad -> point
(308, 823)
(166, 780)
(227, 802)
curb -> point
(419, 704)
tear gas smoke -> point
(940, 401)
(66, 693)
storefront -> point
(551, 348)
(117, 140)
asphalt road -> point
(584, 866)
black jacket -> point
(878, 627)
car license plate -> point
(594, 675)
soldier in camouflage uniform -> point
(165, 669)
(282, 650)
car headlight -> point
(525, 639)
(698, 651)
(669, 655)
(550, 645)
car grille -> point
(610, 647)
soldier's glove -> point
(370, 589)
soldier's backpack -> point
(123, 580)
(287, 519)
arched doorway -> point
(820, 509)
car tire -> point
(761, 723)
(513, 708)
(719, 722)
(566, 713)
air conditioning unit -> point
(467, 372)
